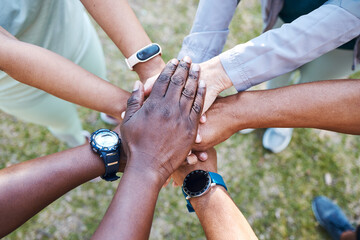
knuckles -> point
(189, 93)
(163, 77)
(132, 100)
(178, 80)
(196, 107)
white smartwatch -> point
(143, 55)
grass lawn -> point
(274, 191)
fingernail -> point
(202, 83)
(123, 114)
(198, 138)
(195, 67)
(136, 86)
(203, 156)
(191, 160)
(187, 59)
(174, 61)
(203, 118)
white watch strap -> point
(133, 59)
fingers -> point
(202, 156)
(149, 84)
(189, 91)
(178, 80)
(135, 101)
(198, 103)
(162, 82)
(191, 159)
(203, 118)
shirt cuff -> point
(202, 46)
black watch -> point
(107, 144)
(198, 183)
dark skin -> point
(331, 105)
(149, 153)
(24, 187)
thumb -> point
(149, 84)
(135, 101)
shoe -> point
(330, 216)
(86, 135)
(108, 119)
(277, 139)
(246, 130)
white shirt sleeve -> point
(281, 50)
(209, 31)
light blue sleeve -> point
(284, 49)
(352, 6)
(209, 31)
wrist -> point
(149, 68)
(209, 199)
(215, 74)
(142, 164)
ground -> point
(274, 191)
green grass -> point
(274, 192)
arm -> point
(130, 214)
(207, 39)
(218, 214)
(120, 23)
(281, 50)
(28, 187)
(43, 69)
(209, 31)
(332, 105)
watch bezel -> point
(99, 148)
(203, 190)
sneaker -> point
(109, 119)
(330, 216)
(246, 130)
(277, 139)
(86, 135)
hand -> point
(149, 83)
(158, 134)
(220, 124)
(209, 165)
(216, 79)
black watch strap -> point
(111, 161)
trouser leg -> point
(59, 116)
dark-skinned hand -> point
(158, 134)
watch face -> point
(196, 183)
(106, 139)
(148, 52)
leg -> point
(332, 65)
(59, 116)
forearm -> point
(131, 211)
(28, 187)
(209, 31)
(220, 217)
(281, 50)
(331, 105)
(60, 77)
(120, 23)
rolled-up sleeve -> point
(281, 50)
(209, 31)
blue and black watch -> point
(107, 144)
(199, 182)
